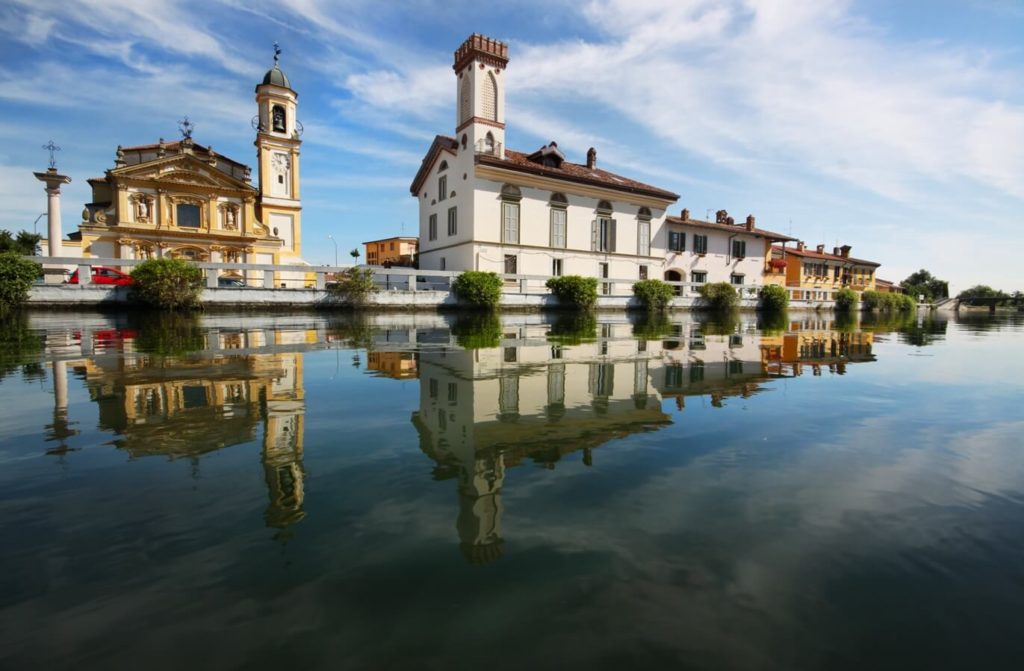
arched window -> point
(604, 207)
(489, 143)
(465, 100)
(559, 217)
(278, 120)
(643, 232)
(443, 166)
(602, 231)
(510, 197)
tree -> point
(354, 253)
(171, 284)
(982, 293)
(924, 283)
(25, 243)
(16, 277)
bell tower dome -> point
(277, 150)
(480, 108)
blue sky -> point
(895, 127)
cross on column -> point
(51, 147)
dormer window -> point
(549, 156)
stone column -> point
(53, 181)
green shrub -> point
(19, 346)
(774, 298)
(573, 328)
(171, 284)
(477, 330)
(654, 294)
(846, 300)
(720, 295)
(16, 277)
(353, 285)
(887, 302)
(478, 288)
(574, 290)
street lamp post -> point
(36, 223)
(331, 238)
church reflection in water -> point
(187, 406)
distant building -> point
(486, 207)
(816, 274)
(887, 287)
(181, 199)
(719, 251)
(397, 251)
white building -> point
(719, 251)
(486, 207)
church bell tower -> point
(480, 110)
(277, 150)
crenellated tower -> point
(480, 108)
(277, 150)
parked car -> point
(230, 282)
(104, 275)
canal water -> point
(420, 491)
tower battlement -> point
(482, 48)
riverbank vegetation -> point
(169, 284)
(653, 294)
(478, 289)
(774, 298)
(720, 295)
(16, 277)
(887, 302)
(574, 291)
(846, 300)
(353, 286)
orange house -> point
(397, 251)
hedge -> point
(171, 284)
(654, 294)
(478, 288)
(574, 290)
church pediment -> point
(181, 169)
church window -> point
(188, 215)
(278, 119)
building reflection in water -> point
(531, 399)
(184, 406)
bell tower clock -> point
(277, 143)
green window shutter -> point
(593, 235)
(611, 237)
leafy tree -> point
(478, 288)
(171, 284)
(353, 285)
(354, 253)
(25, 243)
(654, 294)
(924, 283)
(574, 290)
(720, 295)
(16, 277)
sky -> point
(894, 127)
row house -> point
(816, 275)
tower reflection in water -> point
(214, 391)
(542, 394)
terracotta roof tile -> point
(812, 254)
(732, 228)
(574, 172)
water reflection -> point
(167, 387)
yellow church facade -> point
(182, 199)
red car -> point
(105, 275)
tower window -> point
(278, 123)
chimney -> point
(721, 216)
(750, 222)
(591, 158)
(835, 251)
(800, 246)
(686, 214)
(821, 249)
(845, 251)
